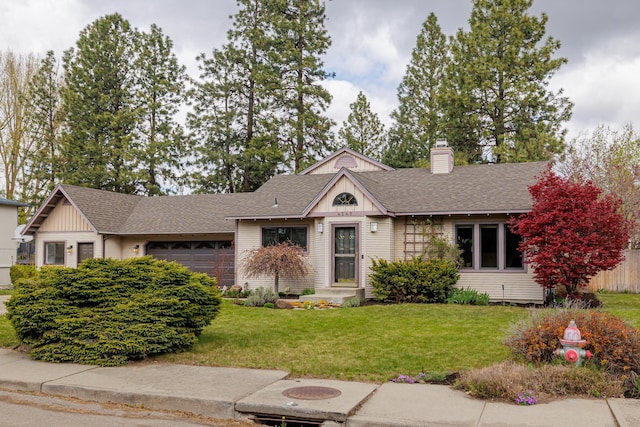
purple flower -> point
(404, 379)
(526, 398)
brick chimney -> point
(441, 157)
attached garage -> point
(215, 258)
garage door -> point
(213, 258)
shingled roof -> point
(107, 212)
(473, 189)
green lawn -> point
(371, 343)
(627, 306)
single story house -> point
(345, 211)
(8, 241)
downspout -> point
(104, 246)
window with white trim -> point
(54, 253)
(488, 246)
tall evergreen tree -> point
(300, 39)
(99, 104)
(215, 124)
(251, 45)
(363, 131)
(43, 164)
(417, 118)
(496, 92)
(161, 91)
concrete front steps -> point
(334, 295)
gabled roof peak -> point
(345, 157)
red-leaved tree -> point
(572, 232)
(283, 259)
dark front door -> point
(345, 256)
(85, 250)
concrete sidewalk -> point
(230, 393)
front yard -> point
(370, 343)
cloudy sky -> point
(372, 41)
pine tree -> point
(99, 104)
(496, 97)
(214, 123)
(161, 88)
(43, 163)
(300, 39)
(250, 47)
(417, 118)
(363, 131)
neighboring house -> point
(345, 210)
(8, 243)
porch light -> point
(320, 227)
(374, 227)
(136, 249)
(69, 249)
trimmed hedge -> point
(22, 271)
(416, 280)
(107, 311)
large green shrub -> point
(21, 271)
(416, 280)
(106, 311)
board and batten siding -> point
(344, 185)
(64, 217)
(65, 224)
(249, 236)
(345, 160)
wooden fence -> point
(624, 278)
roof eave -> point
(464, 213)
(265, 217)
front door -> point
(345, 255)
(85, 250)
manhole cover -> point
(312, 392)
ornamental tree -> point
(283, 259)
(572, 232)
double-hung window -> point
(488, 246)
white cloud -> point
(27, 25)
(344, 94)
(604, 87)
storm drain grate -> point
(312, 392)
